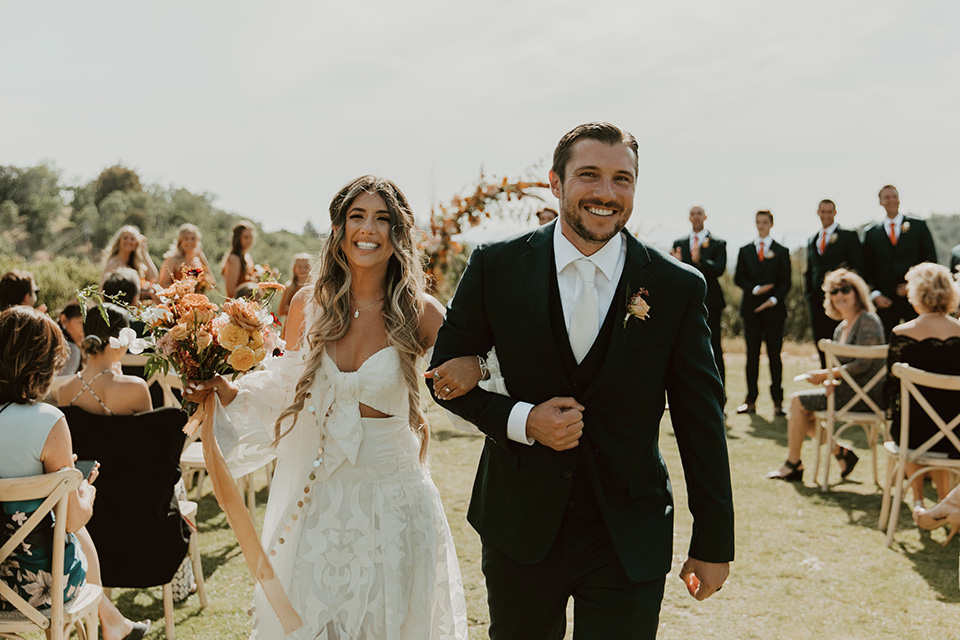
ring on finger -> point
(446, 389)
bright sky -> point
(739, 105)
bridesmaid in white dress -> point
(354, 527)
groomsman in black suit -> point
(890, 248)
(708, 254)
(830, 248)
(763, 272)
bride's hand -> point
(197, 390)
(455, 377)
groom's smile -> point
(596, 193)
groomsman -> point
(708, 254)
(763, 272)
(830, 248)
(890, 248)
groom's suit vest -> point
(582, 501)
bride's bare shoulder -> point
(433, 313)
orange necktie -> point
(893, 234)
(823, 241)
(760, 253)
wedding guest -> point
(186, 252)
(930, 342)
(847, 301)
(124, 286)
(299, 276)
(36, 440)
(238, 267)
(946, 511)
(763, 272)
(17, 287)
(71, 324)
(128, 248)
(890, 248)
(708, 254)
(99, 387)
(246, 290)
(832, 247)
(546, 215)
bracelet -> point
(484, 371)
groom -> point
(591, 329)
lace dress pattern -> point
(354, 527)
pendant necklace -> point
(356, 313)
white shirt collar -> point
(830, 230)
(605, 259)
(700, 236)
(898, 220)
(765, 241)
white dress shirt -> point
(609, 261)
(824, 236)
(700, 236)
(767, 243)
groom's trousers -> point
(529, 602)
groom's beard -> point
(573, 216)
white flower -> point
(38, 586)
(154, 314)
(128, 338)
(19, 517)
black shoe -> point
(849, 460)
(747, 407)
(795, 475)
(139, 630)
(778, 411)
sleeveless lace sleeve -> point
(244, 429)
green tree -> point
(115, 178)
(36, 193)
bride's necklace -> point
(356, 312)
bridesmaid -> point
(128, 248)
(238, 266)
(186, 251)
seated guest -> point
(98, 388)
(18, 288)
(186, 252)
(71, 324)
(930, 342)
(847, 300)
(947, 511)
(36, 440)
(124, 285)
(246, 290)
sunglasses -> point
(845, 289)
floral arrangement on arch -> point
(446, 221)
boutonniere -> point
(769, 254)
(833, 237)
(905, 226)
(637, 306)
(705, 243)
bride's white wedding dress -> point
(354, 526)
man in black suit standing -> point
(830, 248)
(890, 248)
(763, 272)
(592, 328)
(708, 254)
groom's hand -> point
(556, 423)
(702, 578)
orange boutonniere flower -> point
(705, 243)
(637, 306)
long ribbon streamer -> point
(230, 500)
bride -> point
(354, 526)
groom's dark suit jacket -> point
(521, 492)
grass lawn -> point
(809, 565)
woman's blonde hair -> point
(135, 261)
(176, 247)
(843, 277)
(931, 286)
(300, 257)
(404, 292)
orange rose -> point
(256, 340)
(232, 337)
(179, 332)
(243, 313)
(204, 339)
(242, 359)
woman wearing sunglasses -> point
(847, 300)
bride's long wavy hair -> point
(404, 291)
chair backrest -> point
(141, 538)
(53, 489)
(910, 378)
(861, 393)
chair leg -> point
(92, 624)
(894, 510)
(201, 474)
(816, 463)
(168, 609)
(885, 500)
(251, 496)
(198, 569)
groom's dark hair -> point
(602, 131)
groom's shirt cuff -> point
(517, 423)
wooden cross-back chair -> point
(899, 452)
(81, 612)
(873, 422)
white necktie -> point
(584, 321)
